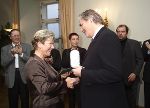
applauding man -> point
(13, 58)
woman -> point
(146, 72)
(46, 86)
(74, 94)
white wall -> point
(133, 13)
(29, 18)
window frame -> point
(45, 21)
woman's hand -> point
(71, 82)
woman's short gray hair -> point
(43, 33)
(41, 36)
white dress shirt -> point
(16, 58)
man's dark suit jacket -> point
(66, 57)
(132, 60)
(146, 73)
(102, 78)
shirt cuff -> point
(148, 52)
(21, 55)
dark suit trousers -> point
(132, 94)
(74, 97)
(19, 89)
(147, 94)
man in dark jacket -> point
(132, 64)
(101, 76)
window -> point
(50, 19)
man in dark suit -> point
(146, 73)
(132, 64)
(101, 76)
(13, 58)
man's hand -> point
(131, 77)
(77, 71)
(19, 49)
(16, 50)
(13, 51)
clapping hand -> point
(16, 50)
(19, 50)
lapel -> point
(51, 71)
(94, 40)
(97, 35)
(23, 46)
(127, 52)
(10, 46)
(126, 48)
(48, 66)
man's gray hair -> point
(91, 14)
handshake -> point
(16, 50)
(72, 81)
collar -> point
(74, 48)
(15, 44)
(97, 30)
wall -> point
(29, 18)
(134, 13)
(5, 10)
